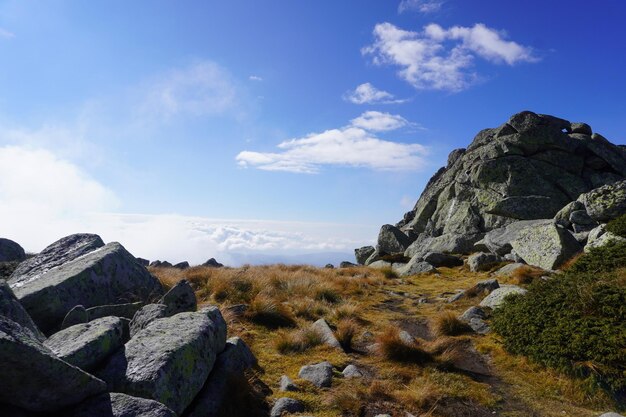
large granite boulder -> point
(179, 298)
(499, 295)
(108, 275)
(363, 253)
(125, 310)
(529, 168)
(62, 251)
(230, 364)
(11, 309)
(605, 203)
(89, 344)
(170, 360)
(546, 245)
(392, 240)
(11, 251)
(115, 404)
(34, 378)
(146, 315)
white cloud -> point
(368, 94)
(376, 121)
(255, 78)
(5, 34)
(422, 6)
(355, 145)
(202, 89)
(441, 59)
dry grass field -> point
(443, 370)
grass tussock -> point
(448, 324)
(297, 341)
(391, 346)
(389, 273)
(347, 329)
(267, 312)
(526, 275)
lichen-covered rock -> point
(320, 375)
(392, 240)
(230, 364)
(416, 266)
(547, 246)
(180, 298)
(125, 310)
(482, 261)
(526, 169)
(169, 360)
(605, 203)
(361, 254)
(11, 251)
(11, 309)
(76, 315)
(497, 296)
(108, 275)
(63, 250)
(33, 377)
(146, 315)
(286, 405)
(326, 333)
(89, 344)
(115, 404)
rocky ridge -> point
(537, 190)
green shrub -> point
(574, 323)
(602, 259)
(618, 226)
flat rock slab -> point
(168, 361)
(320, 375)
(63, 250)
(11, 308)
(109, 275)
(497, 296)
(87, 345)
(546, 245)
(35, 379)
(115, 404)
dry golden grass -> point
(526, 275)
(401, 377)
(448, 324)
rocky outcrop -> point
(34, 378)
(120, 405)
(108, 275)
(169, 361)
(10, 308)
(545, 245)
(146, 315)
(522, 173)
(179, 299)
(11, 251)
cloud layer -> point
(442, 59)
(368, 94)
(355, 145)
(422, 6)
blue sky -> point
(213, 127)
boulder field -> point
(87, 330)
(537, 190)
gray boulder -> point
(76, 315)
(286, 384)
(181, 265)
(499, 240)
(475, 318)
(361, 254)
(146, 315)
(497, 297)
(486, 285)
(482, 261)
(438, 259)
(230, 364)
(563, 216)
(11, 309)
(509, 269)
(62, 251)
(392, 240)
(169, 360)
(611, 414)
(125, 310)
(545, 245)
(583, 128)
(416, 266)
(115, 404)
(326, 333)
(286, 405)
(11, 251)
(87, 345)
(33, 377)
(320, 375)
(180, 298)
(605, 203)
(351, 371)
(109, 275)
(347, 264)
(380, 264)
(212, 263)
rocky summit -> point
(530, 190)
